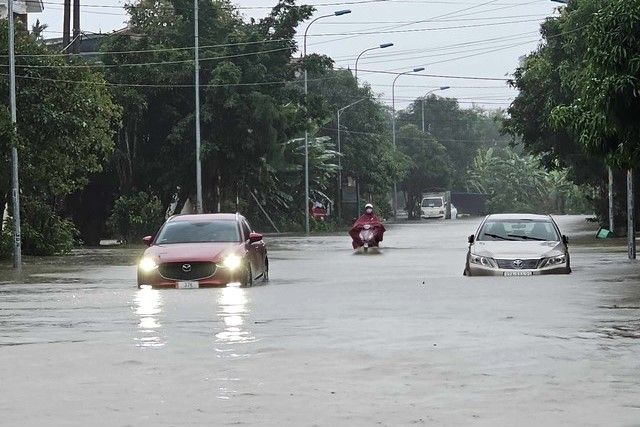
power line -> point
(482, 50)
(167, 49)
(137, 64)
(443, 76)
(399, 137)
(170, 86)
(453, 13)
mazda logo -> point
(518, 263)
(186, 268)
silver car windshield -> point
(198, 232)
(519, 229)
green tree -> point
(603, 114)
(66, 120)
(462, 131)
(368, 155)
(542, 85)
(248, 105)
(518, 182)
(428, 165)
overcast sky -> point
(470, 38)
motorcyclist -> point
(367, 218)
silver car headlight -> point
(483, 261)
(553, 261)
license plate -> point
(518, 273)
(187, 285)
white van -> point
(433, 207)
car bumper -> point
(431, 216)
(222, 277)
(478, 270)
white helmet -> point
(368, 206)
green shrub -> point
(136, 215)
(6, 243)
(43, 231)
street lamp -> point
(423, 98)
(393, 126)
(340, 156)
(306, 131)
(382, 46)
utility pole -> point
(199, 208)
(76, 26)
(631, 220)
(15, 183)
(66, 24)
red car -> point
(206, 250)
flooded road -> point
(335, 339)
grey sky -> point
(480, 38)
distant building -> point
(88, 44)
(21, 8)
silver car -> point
(517, 245)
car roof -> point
(525, 216)
(207, 217)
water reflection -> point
(232, 310)
(148, 306)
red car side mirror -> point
(255, 237)
(147, 240)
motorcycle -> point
(367, 235)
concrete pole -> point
(199, 205)
(15, 183)
(610, 190)
(393, 132)
(631, 222)
(339, 171)
(76, 27)
(66, 24)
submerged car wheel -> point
(247, 276)
(266, 270)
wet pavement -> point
(335, 339)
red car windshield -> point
(198, 232)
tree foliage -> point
(606, 82)
(66, 120)
(428, 165)
(518, 182)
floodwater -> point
(395, 338)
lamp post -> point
(393, 127)
(340, 156)
(306, 131)
(15, 183)
(423, 98)
(382, 46)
